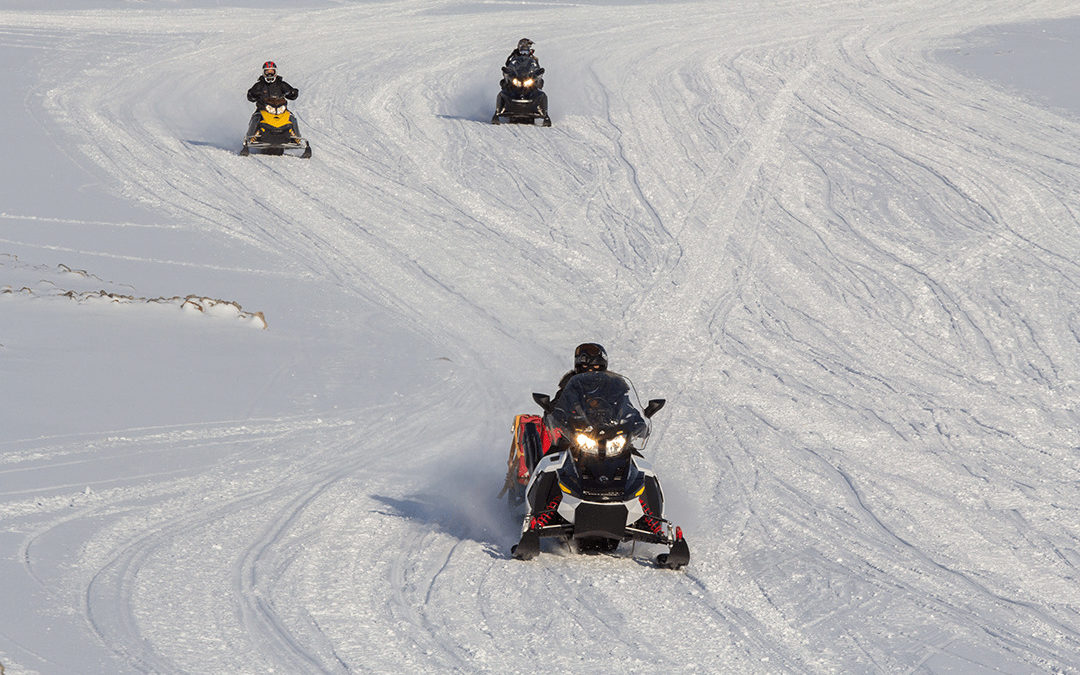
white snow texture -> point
(840, 237)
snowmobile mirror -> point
(544, 401)
(653, 407)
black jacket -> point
(562, 385)
(279, 88)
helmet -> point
(589, 356)
(270, 70)
(525, 45)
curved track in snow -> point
(851, 271)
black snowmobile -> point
(593, 488)
(273, 130)
(521, 100)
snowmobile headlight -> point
(586, 443)
(277, 110)
(528, 82)
(516, 82)
(616, 444)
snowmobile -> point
(274, 131)
(521, 99)
(592, 488)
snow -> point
(256, 410)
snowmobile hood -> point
(276, 120)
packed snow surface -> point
(842, 248)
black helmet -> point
(525, 45)
(589, 356)
(270, 71)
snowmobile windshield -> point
(522, 66)
(275, 106)
(596, 407)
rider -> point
(524, 50)
(267, 87)
(588, 357)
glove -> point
(292, 94)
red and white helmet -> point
(270, 70)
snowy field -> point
(255, 411)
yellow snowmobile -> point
(274, 130)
